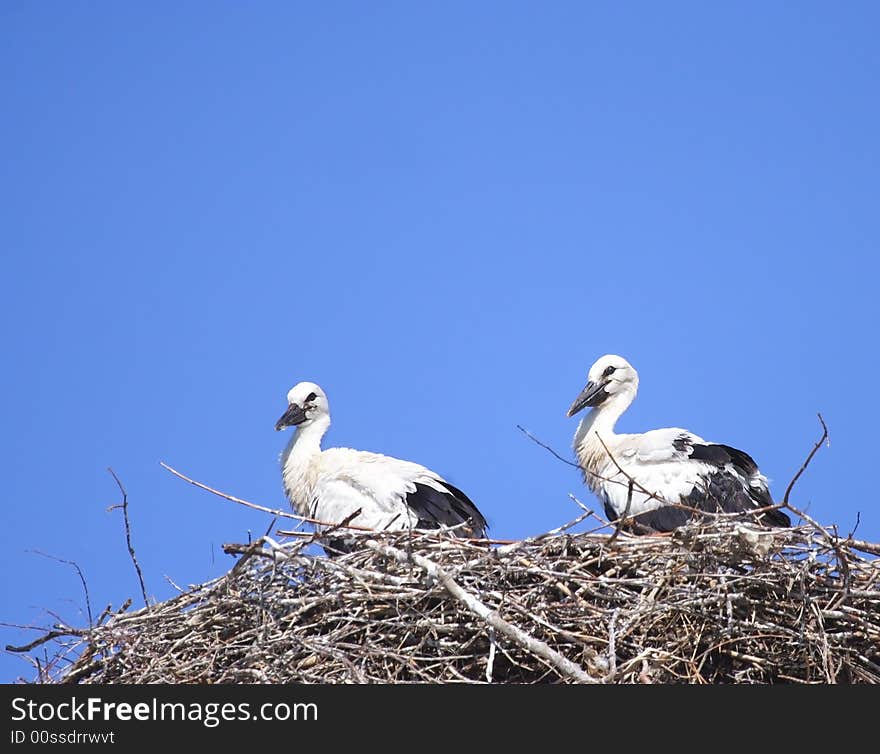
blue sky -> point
(441, 212)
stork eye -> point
(310, 397)
(608, 371)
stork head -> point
(306, 402)
(609, 376)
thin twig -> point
(256, 507)
(306, 519)
(54, 634)
(806, 463)
(612, 647)
(593, 474)
(490, 660)
(79, 572)
(124, 506)
(565, 527)
(832, 539)
(322, 534)
(547, 447)
(623, 516)
(855, 526)
(630, 480)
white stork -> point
(664, 477)
(332, 484)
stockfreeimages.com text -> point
(210, 714)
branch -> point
(254, 506)
(833, 540)
(319, 535)
(512, 545)
(124, 506)
(248, 551)
(295, 517)
(565, 527)
(623, 516)
(859, 544)
(807, 462)
(79, 573)
(537, 647)
(547, 447)
(587, 471)
(43, 639)
(631, 482)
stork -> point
(665, 477)
(391, 494)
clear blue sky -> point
(442, 213)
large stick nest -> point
(713, 603)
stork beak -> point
(293, 416)
(592, 395)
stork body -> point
(665, 477)
(391, 494)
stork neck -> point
(306, 443)
(599, 423)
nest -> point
(719, 602)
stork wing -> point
(438, 503)
(391, 493)
(656, 446)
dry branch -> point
(124, 506)
(327, 525)
(263, 508)
(79, 573)
(806, 463)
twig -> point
(43, 639)
(306, 519)
(509, 546)
(565, 527)
(612, 648)
(256, 507)
(246, 552)
(547, 447)
(832, 539)
(79, 572)
(623, 516)
(855, 526)
(806, 463)
(317, 536)
(860, 544)
(587, 471)
(632, 482)
(529, 642)
(580, 505)
(124, 506)
(490, 661)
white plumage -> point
(332, 484)
(666, 476)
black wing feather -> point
(663, 519)
(451, 507)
